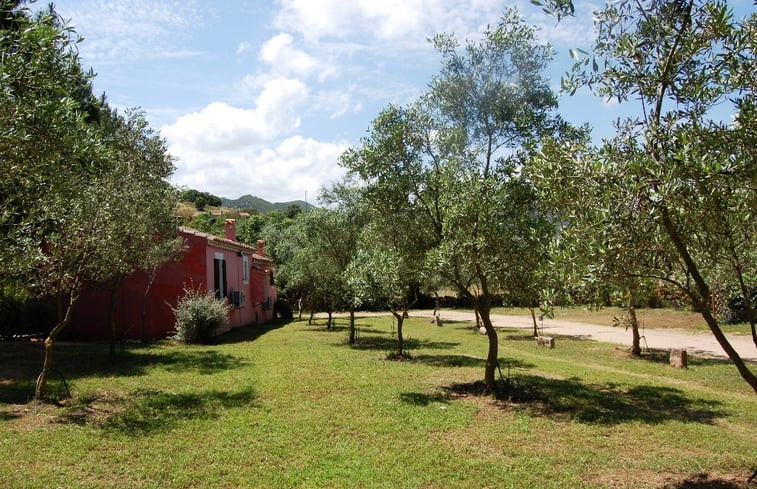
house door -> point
(219, 276)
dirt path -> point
(698, 344)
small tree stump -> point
(547, 341)
(678, 358)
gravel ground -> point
(701, 344)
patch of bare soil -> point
(508, 395)
(649, 318)
(665, 480)
(93, 410)
(712, 481)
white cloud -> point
(133, 29)
(570, 32)
(231, 151)
(221, 127)
(410, 21)
(279, 53)
(296, 167)
(338, 103)
(244, 47)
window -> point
(219, 275)
(246, 269)
(237, 298)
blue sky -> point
(261, 97)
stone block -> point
(678, 358)
(547, 341)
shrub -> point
(198, 315)
(23, 316)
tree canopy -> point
(674, 190)
(83, 190)
(442, 176)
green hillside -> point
(249, 202)
(262, 206)
(282, 206)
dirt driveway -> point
(699, 344)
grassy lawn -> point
(292, 405)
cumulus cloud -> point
(290, 170)
(280, 53)
(221, 127)
(411, 21)
(231, 151)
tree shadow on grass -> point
(84, 360)
(7, 416)
(342, 324)
(17, 391)
(518, 337)
(694, 358)
(467, 361)
(136, 361)
(604, 404)
(703, 481)
(203, 362)
(389, 343)
(450, 360)
(250, 332)
(423, 399)
(469, 326)
(151, 411)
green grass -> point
(292, 405)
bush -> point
(21, 316)
(738, 309)
(198, 315)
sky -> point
(261, 97)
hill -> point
(262, 206)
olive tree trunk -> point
(400, 317)
(353, 334)
(64, 317)
(634, 323)
(699, 298)
(533, 318)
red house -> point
(238, 272)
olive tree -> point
(78, 185)
(492, 105)
(686, 177)
(313, 252)
(141, 222)
(399, 199)
(449, 165)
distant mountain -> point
(249, 202)
(282, 206)
(262, 206)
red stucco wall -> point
(195, 270)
